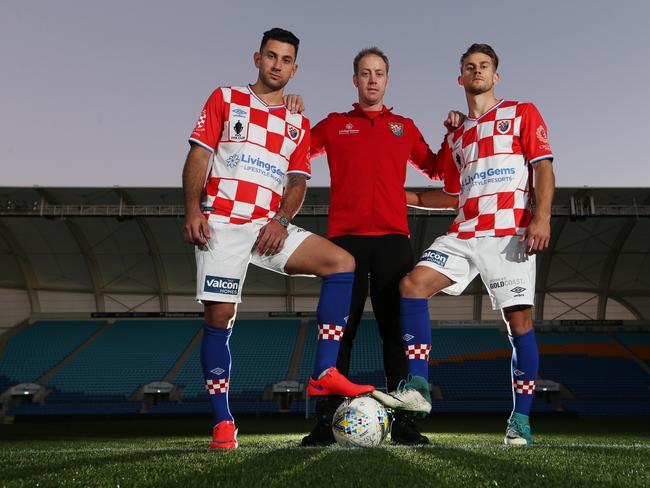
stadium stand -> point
(470, 363)
(39, 347)
(638, 343)
(129, 354)
(600, 373)
(597, 371)
(457, 344)
(367, 363)
(308, 353)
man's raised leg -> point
(415, 290)
(335, 266)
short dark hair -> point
(483, 49)
(367, 52)
(282, 35)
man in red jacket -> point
(367, 151)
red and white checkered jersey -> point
(254, 147)
(488, 162)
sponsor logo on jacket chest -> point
(348, 129)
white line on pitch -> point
(29, 452)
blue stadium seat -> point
(41, 346)
(592, 377)
(129, 354)
(608, 408)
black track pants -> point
(381, 262)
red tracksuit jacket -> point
(367, 159)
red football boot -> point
(224, 436)
(334, 383)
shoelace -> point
(405, 384)
(401, 386)
(516, 426)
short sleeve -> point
(534, 135)
(299, 159)
(207, 131)
(451, 174)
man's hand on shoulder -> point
(196, 229)
(454, 120)
(538, 234)
(294, 103)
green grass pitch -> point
(466, 451)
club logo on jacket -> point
(397, 128)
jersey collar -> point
(271, 107)
(488, 110)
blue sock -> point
(416, 334)
(215, 358)
(525, 363)
(332, 316)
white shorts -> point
(508, 273)
(221, 265)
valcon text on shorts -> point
(436, 257)
(218, 284)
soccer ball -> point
(360, 422)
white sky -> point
(102, 93)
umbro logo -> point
(407, 337)
(518, 289)
(238, 112)
(516, 372)
(217, 371)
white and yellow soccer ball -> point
(360, 422)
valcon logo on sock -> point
(218, 284)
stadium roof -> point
(118, 249)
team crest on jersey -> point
(543, 138)
(503, 126)
(238, 131)
(293, 132)
(397, 128)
